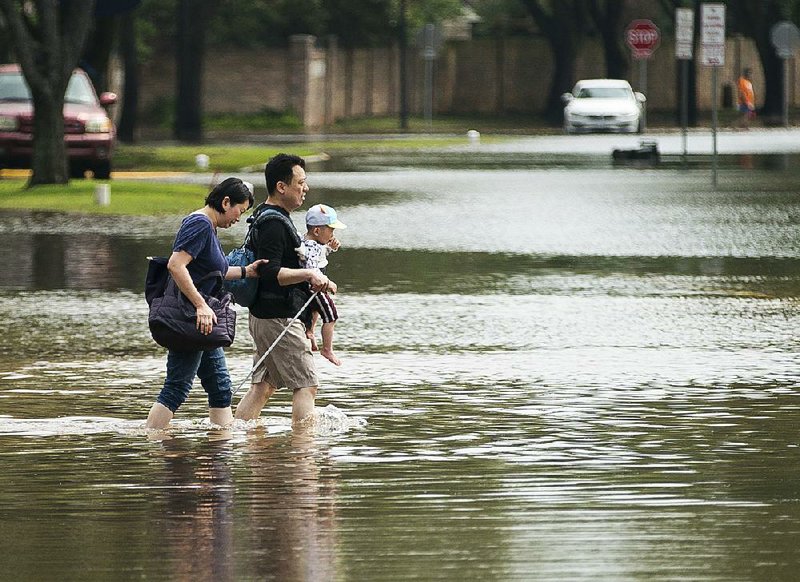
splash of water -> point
(327, 421)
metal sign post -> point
(429, 41)
(785, 37)
(712, 54)
(684, 44)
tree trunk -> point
(500, 67)
(128, 119)
(771, 64)
(49, 162)
(562, 81)
(190, 53)
(48, 38)
(97, 55)
(5, 42)
(608, 19)
(563, 24)
(772, 110)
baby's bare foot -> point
(313, 339)
(328, 354)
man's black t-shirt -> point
(275, 242)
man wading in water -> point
(283, 289)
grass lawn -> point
(236, 158)
(127, 197)
(134, 197)
(181, 158)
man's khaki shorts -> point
(290, 364)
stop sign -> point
(642, 36)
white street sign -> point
(684, 33)
(785, 37)
(712, 37)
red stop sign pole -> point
(643, 37)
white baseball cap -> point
(323, 215)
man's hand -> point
(318, 281)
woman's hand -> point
(206, 318)
(251, 270)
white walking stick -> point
(277, 339)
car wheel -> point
(102, 170)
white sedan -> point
(603, 105)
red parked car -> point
(89, 132)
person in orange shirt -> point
(746, 98)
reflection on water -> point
(547, 375)
(284, 526)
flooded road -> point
(553, 369)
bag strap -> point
(212, 275)
(263, 214)
(251, 223)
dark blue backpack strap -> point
(270, 214)
(251, 222)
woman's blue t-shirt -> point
(197, 237)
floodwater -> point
(553, 369)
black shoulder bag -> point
(173, 318)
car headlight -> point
(98, 125)
(8, 123)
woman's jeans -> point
(209, 366)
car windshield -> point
(14, 88)
(604, 93)
(79, 91)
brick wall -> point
(325, 83)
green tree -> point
(362, 23)
(421, 12)
(186, 28)
(48, 38)
(257, 23)
(564, 23)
